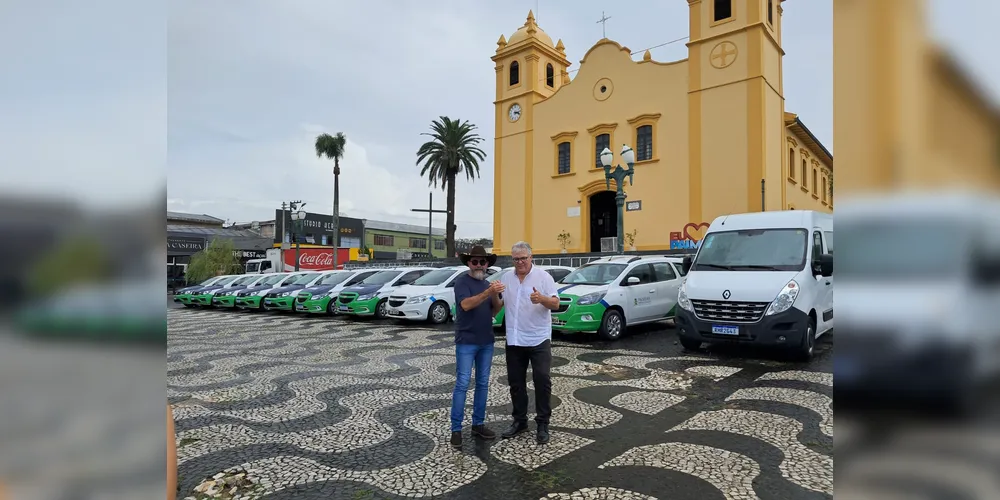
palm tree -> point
(452, 150)
(332, 147)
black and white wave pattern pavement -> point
(297, 407)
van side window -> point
(817, 244)
(265, 265)
(663, 272)
(828, 236)
(358, 279)
(643, 272)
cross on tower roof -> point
(604, 22)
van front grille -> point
(733, 312)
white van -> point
(760, 278)
(609, 293)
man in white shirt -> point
(529, 297)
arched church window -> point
(644, 143)
(550, 75)
(723, 10)
(515, 73)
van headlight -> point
(682, 298)
(590, 298)
(785, 299)
(418, 299)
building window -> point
(723, 10)
(644, 143)
(515, 73)
(815, 185)
(791, 164)
(770, 12)
(564, 158)
(438, 244)
(550, 75)
(805, 174)
(600, 143)
(384, 240)
(418, 242)
(824, 189)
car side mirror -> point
(823, 265)
(686, 264)
(632, 280)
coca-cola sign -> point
(315, 259)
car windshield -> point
(304, 279)
(209, 281)
(434, 277)
(333, 278)
(594, 274)
(272, 279)
(493, 277)
(753, 250)
(381, 278)
(898, 250)
(245, 280)
(225, 281)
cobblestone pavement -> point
(281, 406)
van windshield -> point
(253, 267)
(594, 274)
(753, 250)
(896, 249)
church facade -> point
(710, 133)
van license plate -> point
(725, 330)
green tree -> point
(332, 147)
(453, 150)
(215, 260)
(76, 260)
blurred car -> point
(321, 297)
(183, 296)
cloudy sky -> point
(222, 99)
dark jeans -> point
(540, 358)
(467, 356)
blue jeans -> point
(467, 355)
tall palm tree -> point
(453, 150)
(332, 147)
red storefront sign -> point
(316, 259)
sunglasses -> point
(521, 259)
(478, 262)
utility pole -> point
(430, 222)
(293, 206)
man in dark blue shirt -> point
(477, 302)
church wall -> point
(806, 195)
(724, 151)
(512, 189)
(643, 92)
(775, 153)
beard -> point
(477, 273)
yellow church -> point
(710, 133)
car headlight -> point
(785, 299)
(418, 299)
(368, 296)
(590, 298)
(285, 294)
(682, 298)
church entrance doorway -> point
(603, 218)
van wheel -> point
(690, 344)
(438, 313)
(808, 347)
(381, 309)
(612, 325)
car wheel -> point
(438, 313)
(382, 309)
(806, 350)
(690, 344)
(612, 325)
(331, 307)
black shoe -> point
(514, 429)
(542, 436)
(483, 432)
(456, 439)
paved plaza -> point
(284, 406)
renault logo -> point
(726, 294)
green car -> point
(321, 298)
(203, 296)
(370, 297)
(183, 296)
(253, 297)
(226, 297)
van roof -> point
(770, 220)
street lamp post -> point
(297, 218)
(619, 174)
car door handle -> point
(652, 291)
(827, 283)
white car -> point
(557, 273)
(608, 294)
(432, 296)
(370, 297)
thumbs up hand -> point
(536, 298)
